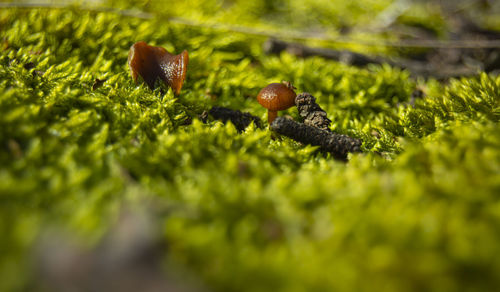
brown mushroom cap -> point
(155, 62)
(277, 97)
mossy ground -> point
(418, 210)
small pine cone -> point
(312, 113)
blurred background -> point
(456, 38)
(398, 18)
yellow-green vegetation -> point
(418, 210)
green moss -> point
(418, 210)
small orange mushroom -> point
(155, 62)
(276, 97)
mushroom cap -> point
(277, 97)
(155, 62)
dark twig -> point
(336, 144)
(274, 46)
(417, 68)
(312, 113)
(240, 120)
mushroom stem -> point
(271, 115)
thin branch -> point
(417, 68)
